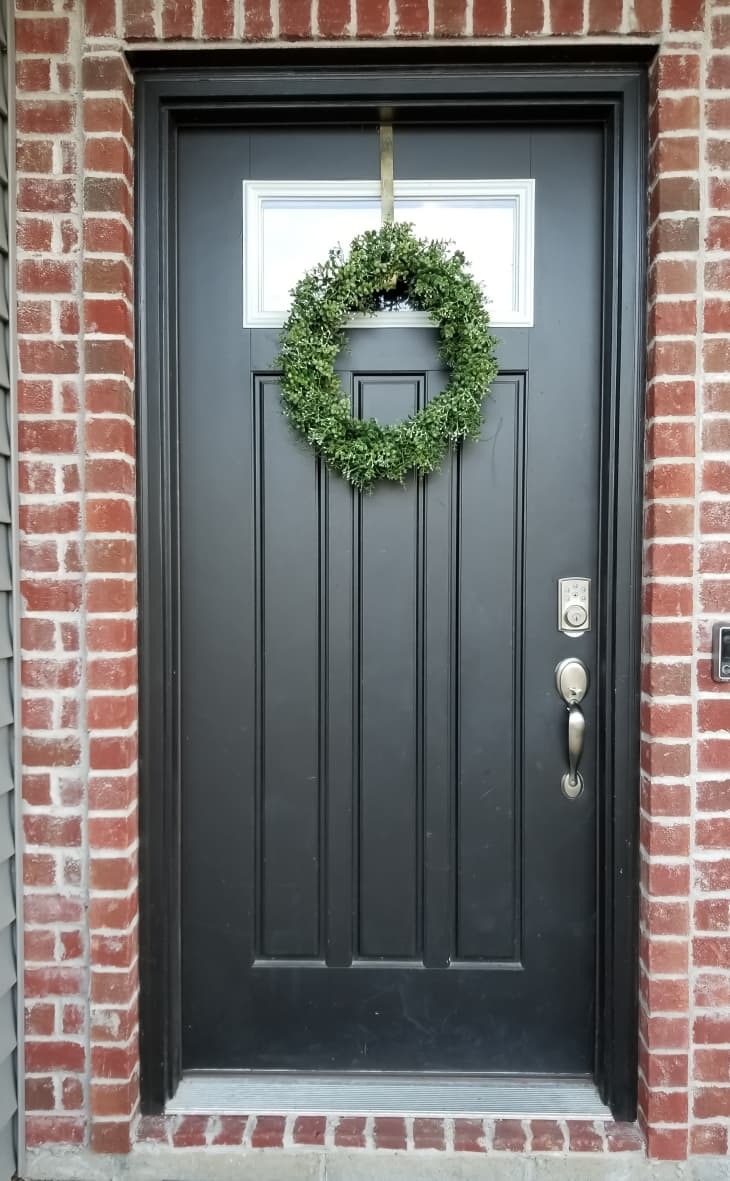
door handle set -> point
(572, 681)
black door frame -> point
(434, 85)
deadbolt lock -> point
(574, 606)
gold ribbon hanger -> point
(386, 173)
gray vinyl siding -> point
(8, 1042)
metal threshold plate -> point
(207, 1092)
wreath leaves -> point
(382, 266)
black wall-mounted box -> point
(721, 652)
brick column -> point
(711, 844)
(111, 629)
(667, 722)
(52, 592)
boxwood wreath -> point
(386, 268)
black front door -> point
(380, 871)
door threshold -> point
(280, 1093)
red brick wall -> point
(76, 444)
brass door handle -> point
(571, 682)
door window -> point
(289, 226)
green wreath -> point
(385, 267)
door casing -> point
(432, 85)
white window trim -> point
(257, 192)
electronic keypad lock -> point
(721, 652)
(574, 606)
